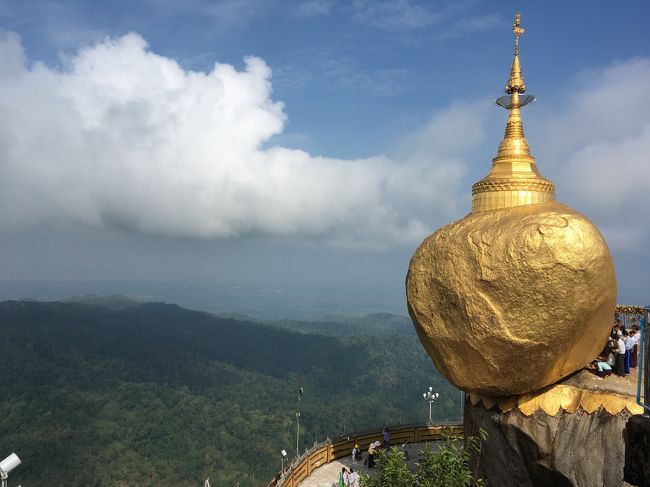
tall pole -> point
(298, 430)
(462, 406)
(430, 403)
(644, 365)
(300, 393)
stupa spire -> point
(514, 179)
(516, 81)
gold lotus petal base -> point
(562, 397)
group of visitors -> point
(347, 478)
(621, 352)
(373, 448)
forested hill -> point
(378, 324)
(154, 394)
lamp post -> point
(430, 396)
(462, 405)
(284, 457)
(300, 393)
(6, 466)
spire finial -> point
(518, 30)
(514, 179)
(516, 81)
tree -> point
(442, 464)
(448, 465)
(392, 471)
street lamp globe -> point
(6, 466)
(430, 397)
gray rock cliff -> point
(568, 449)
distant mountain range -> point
(112, 301)
(258, 300)
(331, 324)
(108, 391)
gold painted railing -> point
(329, 451)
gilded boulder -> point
(511, 300)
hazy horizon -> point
(255, 300)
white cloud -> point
(597, 149)
(393, 14)
(225, 13)
(125, 138)
(469, 25)
(326, 69)
(610, 179)
(314, 8)
(231, 12)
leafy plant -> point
(442, 464)
(448, 465)
(392, 471)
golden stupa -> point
(521, 292)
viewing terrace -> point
(320, 466)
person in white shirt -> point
(611, 359)
(620, 356)
(356, 453)
(628, 350)
(352, 478)
(634, 357)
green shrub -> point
(448, 465)
(443, 464)
(392, 471)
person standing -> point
(356, 453)
(634, 353)
(620, 356)
(372, 449)
(343, 478)
(386, 435)
(352, 478)
(628, 350)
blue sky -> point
(330, 138)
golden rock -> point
(521, 292)
(511, 300)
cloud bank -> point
(121, 137)
(598, 148)
(124, 138)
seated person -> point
(603, 369)
(405, 449)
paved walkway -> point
(328, 474)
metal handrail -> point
(644, 363)
(285, 478)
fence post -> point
(643, 363)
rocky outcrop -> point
(637, 451)
(531, 284)
(568, 449)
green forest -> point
(118, 393)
